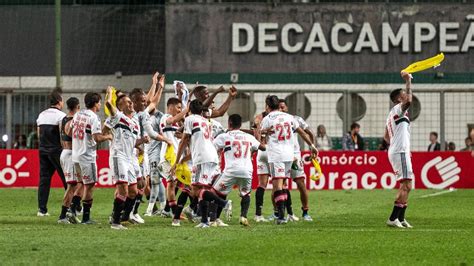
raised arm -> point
(152, 90)
(225, 106)
(211, 98)
(407, 101)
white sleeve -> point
(219, 142)
(265, 123)
(188, 125)
(95, 125)
(255, 143)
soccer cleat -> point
(244, 221)
(166, 214)
(188, 212)
(148, 214)
(176, 223)
(220, 223)
(406, 224)
(202, 225)
(281, 221)
(272, 217)
(138, 218)
(307, 218)
(118, 227)
(260, 219)
(42, 214)
(63, 221)
(89, 222)
(72, 218)
(228, 210)
(292, 218)
(395, 223)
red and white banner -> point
(341, 170)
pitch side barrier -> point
(341, 170)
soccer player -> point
(237, 147)
(280, 140)
(86, 133)
(263, 172)
(169, 124)
(74, 188)
(202, 94)
(198, 136)
(297, 169)
(140, 100)
(157, 189)
(126, 135)
(397, 133)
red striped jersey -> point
(398, 126)
(85, 124)
(200, 131)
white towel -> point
(185, 98)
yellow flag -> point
(318, 169)
(114, 102)
(183, 173)
(170, 156)
(425, 64)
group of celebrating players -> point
(148, 145)
(142, 138)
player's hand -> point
(406, 76)
(168, 141)
(233, 91)
(314, 152)
(146, 139)
(173, 170)
(161, 80)
(154, 79)
(220, 89)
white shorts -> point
(136, 168)
(68, 166)
(122, 171)
(86, 172)
(155, 176)
(204, 174)
(262, 163)
(224, 184)
(401, 164)
(164, 169)
(297, 169)
(280, 170)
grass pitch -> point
(349, 228)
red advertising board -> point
(341, 170)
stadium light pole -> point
(57, 5)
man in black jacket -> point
(49, 149)
(434, 145)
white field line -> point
(438, 193)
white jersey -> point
(237, 147)
(280, 144)
(85, 124)
(217, 128)
(125, 133)
(168, 131)
(398, 126)
(303, 125)
(200, 131)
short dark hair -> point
(272, 102)
(55, 97)
(394, 95)
(173, 101)
(135, 93)
(281, 100)
(199, 88)
(196, 107)
(434, 134)
(72, 103)
(119, 99)
(354, 125)
(235, 121)
(91, 99)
